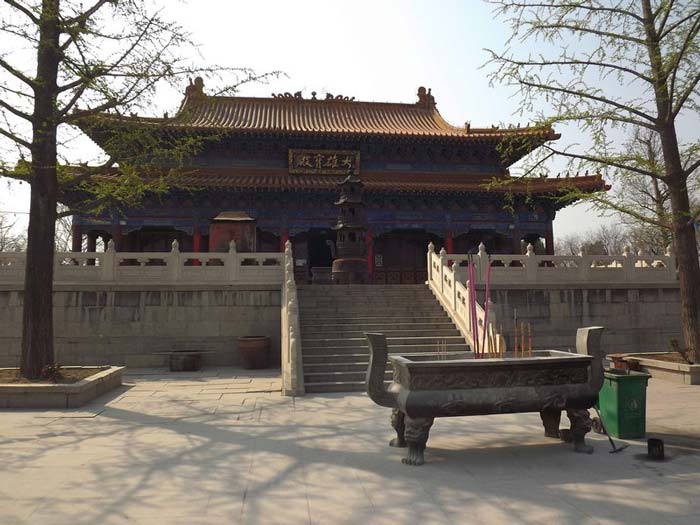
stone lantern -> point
(350, 265)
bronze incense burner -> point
(425, 387)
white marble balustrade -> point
(111, 266)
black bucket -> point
(655, 449)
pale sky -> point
(380, 50)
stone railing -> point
(447, 278)
(448, 282)
(292, 372)
(581, 269)
(115, 267)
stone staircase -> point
(334, 318)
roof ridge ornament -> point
(287, 94)
(339, 98)
(195, 89)
(298, 96)
(425, 98)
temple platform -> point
(223, 446)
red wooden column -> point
(116, 236)
(516, 242)
(91, 246)
(449, 242)
(549, 242)
(284, 237)
(449, 245)
(369, 241)
(91, 242)
(76, 238)
(196, 243)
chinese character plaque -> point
(324, 162)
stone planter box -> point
(43, 395)
(664, 370)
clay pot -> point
(254, 351)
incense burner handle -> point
(588, 343)
(375, 372)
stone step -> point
(391, 341)
(398, 349)
(340, 366)
(379, 313)
(335, 386)
(383, 319)
(363, 357)
(347, 333)
(332, 377)
(334, 319)
(358, 288)
(402, 303)
(313, 328)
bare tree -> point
(611, 66)
(10, 239)
(605, 240)
(62, 62)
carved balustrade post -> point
(431, 251)
(109, 263)
(232, 262)
(583, 264)
(531, 264)
(628, 263)
(173, 261)
(670, 262)
(443, 264)
(482, 262)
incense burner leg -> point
(397, 421)
(416, 435)
(551, 418)
(581, 425)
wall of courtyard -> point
(130, 325)
(642, 318)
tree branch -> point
(675, 25)
(607, 162)
(588, 30)
(690, 169)
(581, 94)
(577, 5)
(675, 67)
(16, 111)
(667, 13)
(24, 10)
(88, 12)
(627, 211)
(17, 74)
(15, 138)
(572, 62)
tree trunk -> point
(688, 270)
(676, 180)
(37, 318)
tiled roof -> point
(265, 180)
(296, 115)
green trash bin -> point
(623, 403)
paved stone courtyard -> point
(222, 446)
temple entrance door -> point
(401, 255)
(494, 242)
(320, 254)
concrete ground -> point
(223, 446)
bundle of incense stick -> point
(522, 346)
(501, 343)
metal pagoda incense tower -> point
(350, 266)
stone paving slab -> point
(223, 446)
